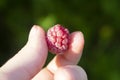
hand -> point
(28, 62)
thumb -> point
(30, 59)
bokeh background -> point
(99, 20)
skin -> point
(28, 63)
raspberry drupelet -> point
(57, 39)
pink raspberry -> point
(57, 39)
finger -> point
(30, 59)
(72, 55)
(47, 74)
(44, 74)
(70, 72)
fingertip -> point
(74, 53)
(36, 32)
(77, 41)
(37, 38)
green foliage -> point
(99, 20)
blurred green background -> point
(99, 20)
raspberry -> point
(57, 39)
